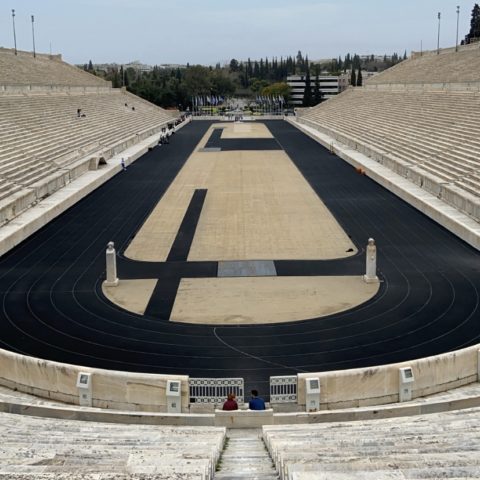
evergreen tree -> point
(234, 66)
(317, 93)
(359, 78)
(90, 66)
(307, 96)
(353, 78)
(474, 25)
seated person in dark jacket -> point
(231, 403)
(256, 403)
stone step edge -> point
(73, 412)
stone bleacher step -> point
(245, 457)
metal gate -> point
(215, 390)
(283, 389)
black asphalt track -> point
(228, 144)
(53, 308)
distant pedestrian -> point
(124, 166)
(230, 403)
(256, 403)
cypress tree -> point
(359, 78)
(474, 25)
(317, 95)
(353, 78)
(307, 96)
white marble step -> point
(245, 457)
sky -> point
(210, 31)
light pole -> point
(33, 36)
(458, 19)
(14, 34)
(438, 39)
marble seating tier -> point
(428, 136)
(440, 445)
(46, 145)
(45, 448)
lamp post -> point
(33, 36)
(438, 38)
(14, 34)
(458, 19)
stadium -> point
(154, 262)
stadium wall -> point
(147, 392)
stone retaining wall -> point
(110, 389)
(380, 385)
(146, 392)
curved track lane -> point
(52, 306)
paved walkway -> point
(245, 457)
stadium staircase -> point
(245, 457)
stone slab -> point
(243, 419)
(247, 268)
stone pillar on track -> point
(112, 279)
(371, 262)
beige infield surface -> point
(249, 300)
(266, 299)
(258, 207)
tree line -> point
(176, 87)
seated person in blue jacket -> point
(256, 403)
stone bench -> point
(243, 418)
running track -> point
(52, 306)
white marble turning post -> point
(112, 279)
(371, 262)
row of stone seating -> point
(449, 66)
(43, 134)
(48, 448)
(24, 69)
(441, 445)
(417, 133)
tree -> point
(359, 78)
(90, 66)
(474, 32)
(197, 80)
(307, 95)
(234, 66)
(353, 78)
(279, 89)
(317, 93)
